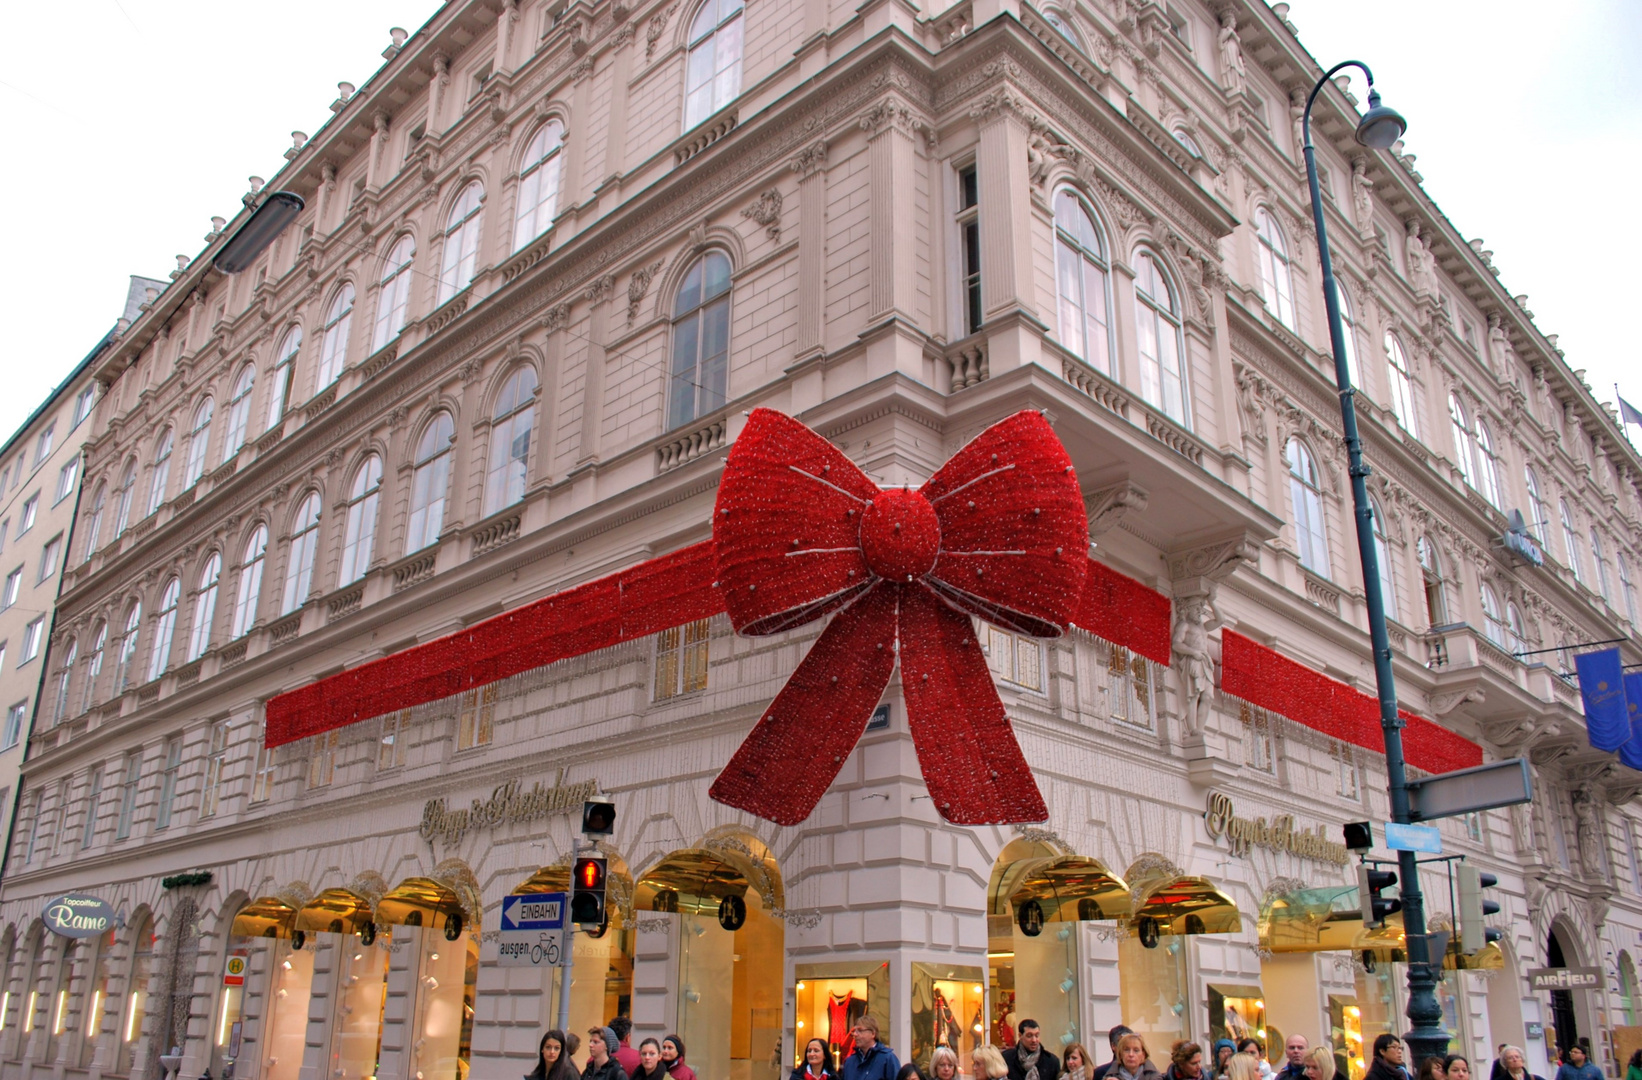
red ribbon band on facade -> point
(1263, 677)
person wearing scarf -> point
(1027, 1059)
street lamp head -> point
(1381, 125)
(266, 222)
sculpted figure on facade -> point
(1499, 346)
(1362, 196)
(1232, 72)
(1588, 832)
(1193, 662)
(1422, 274)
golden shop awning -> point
(1072, 888)
(335, 911)
(266, 916)
(1187, 905)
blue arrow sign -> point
(1423, 838)
(533, 911)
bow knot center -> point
(900, 535)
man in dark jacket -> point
(871, 1059)
(1027, 1059)
(1295, 1067)
(1388, 1059)
(1112, 1038)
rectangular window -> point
(14, 725)
(29, 510)
(262, 773)
(32, 633)
(65, 480)
(5, 527)
(37, 806)
(48, 558)
(969, 244)
(42, 447)
(480, 77)
(216, 760)
(128, 795)
(681, 659)
(390, 748)
(322, 763)
(1350, 786)
(1636, 859)
(94, 799)
(83, 403)
(1258, 742)
(478, 718)
(1016, 659)
(14, 585)
(168, 783)
(60, 806)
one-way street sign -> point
(533, 911)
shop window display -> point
(1152, 988)
(948, 1009)
(1237, 1013)
(830, 998)
(285, 1031)
(1345, 1023)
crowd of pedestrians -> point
(611, 1057)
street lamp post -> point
(1378, 129)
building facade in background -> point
(550, 256)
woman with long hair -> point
(817, 1062)
(650, 1066)
(988, 1063)
(552, 1059)
(1319, 1063)
(1185, 1061)
(1075, 1063)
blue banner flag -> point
(1631, 752)
(1602, 687)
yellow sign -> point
(1243, 834)
(234, 973)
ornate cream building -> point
(551, 254)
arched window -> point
(1462, 440)
(1157, 318)
(162, 471)
(199, 441)
(250, 582)
(1081, 280)
(1402, 385)
(359, 535)
(165, 627)
(394, 296)
(539, 184)
(510, 428)
(279, 387)
(1187, 142)
(1276, 282)
(1487, 465)
(1570, 541)
(701, 338)
(1537, 509)
(1493, 619)
(1308, 509)
(461, 241)
(713, 78)
(205, 608)
(239, 411)
(1382, 556)
(1626, 587)
(65, 675)
(94, 518)
(333, 346)
(1431, 573)
(124, 496)
(1598, 557)
(299, 570)
(429, 482)
(94, 666)
(1064, 28)
(1516, 632)
(1348, 334)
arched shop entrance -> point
(722, 953)
(601, 979)
(339, 935)
(1565, 1028)
(435, 974)
(274, 1001)
(1168, 907)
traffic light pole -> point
(567, 949)
(1427, 1038)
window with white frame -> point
(128, 647)
(1493, 618)
(60, 806)
(333, 345)
(94, 806)
(1157, 319)
(65, 480)
(31, 507)
(1309, 532)
(969, 246)
(299, 568)
(168, 783)
(199, 441)
(1436, 608)
(1348, 336)
(123, 497)
(264, 768)
(15, 715)
(393, 299)
(1570, 542)
(165, 627)
(42, 446)
(94, 666)
(33, 634)
(1083, 283)
(391, 743)
(461, 241)
(128, 795)
(1462, 440)
(1131, 688)
(701, 340)
(1636, 860)
(279, 384)
(51, 551)
(1259, 742)
(539, 184)
(1487, 465)
(161, 476)
(1401, 377)
(476, 720)
(1016, 659)
(216, 763)
(205, 608)
(1516, 634)
(13, 589)
(511, 423)
(1625, 585)
(1537, 509)
(681, 659)
(430, 479)
(322, 759)
(82, 405)
(94, 519)
(1382, 557)
(713, 68)
(34, 814)
(65, 676)
(1347, 773)
(250, 582)
(1187, 143)
(359, 533)
(1276, 280)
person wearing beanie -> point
(1223, 1051)
(601, 1061)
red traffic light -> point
(590, 873)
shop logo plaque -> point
(77, 915)
(1279, 834)
(1566, 978)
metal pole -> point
(1426, 1038)
(567, 944)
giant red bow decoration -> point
(998, 532)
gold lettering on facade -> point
(1243, 834)
(507, 803)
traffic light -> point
(1474, 934)
(1370, 883)
(587, 891)
(598, 818)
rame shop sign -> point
(508, 803)
(1279, 834)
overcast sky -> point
(1526, 119)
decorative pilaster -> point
(598, 332)
(811, 167)
(1005, 204)
(890, 126)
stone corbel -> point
(1200, 570)
(1108, 506)
(1443, 704)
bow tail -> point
(971, 762)
(799, 745)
